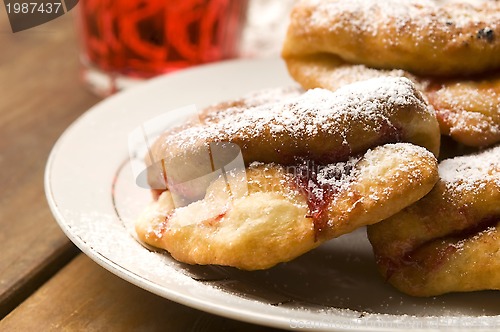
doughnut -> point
(468, 110)
(425, 37)
(449, 241)
(319, 125)
(288, 210)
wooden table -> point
(46, 284)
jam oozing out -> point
(215, 220)
(156, 193)
(163, 226)
(315, 182)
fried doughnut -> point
(467, 110)
(320, 125)
(426, 37)
(450, 240)
(288, 210)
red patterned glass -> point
(138, 39)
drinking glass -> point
(126, 41)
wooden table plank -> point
(40, 96)
(85, 297)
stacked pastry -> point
(264, 179)
(449, 240)
(449, 49)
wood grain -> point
(85, 297)
(40, 96)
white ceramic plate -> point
(92, 192)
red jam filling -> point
(319, 193)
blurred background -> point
(49, 76)
(124, 42)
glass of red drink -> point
(125, 41)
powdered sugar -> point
(338, 175)
(266, 96)
(473, 122)
(371, 16)
(261, 97)
(470, 174)
(306, 177)
(461, 244)
(353, 73)
(469, 107)
(316, 111)
(251, 99)
(426, 37)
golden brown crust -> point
(318, 125)
(448, 241)
(330, 72)
(467, 110)
(282, 216)
(436, 38)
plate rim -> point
(231, 312)
(115, 268)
